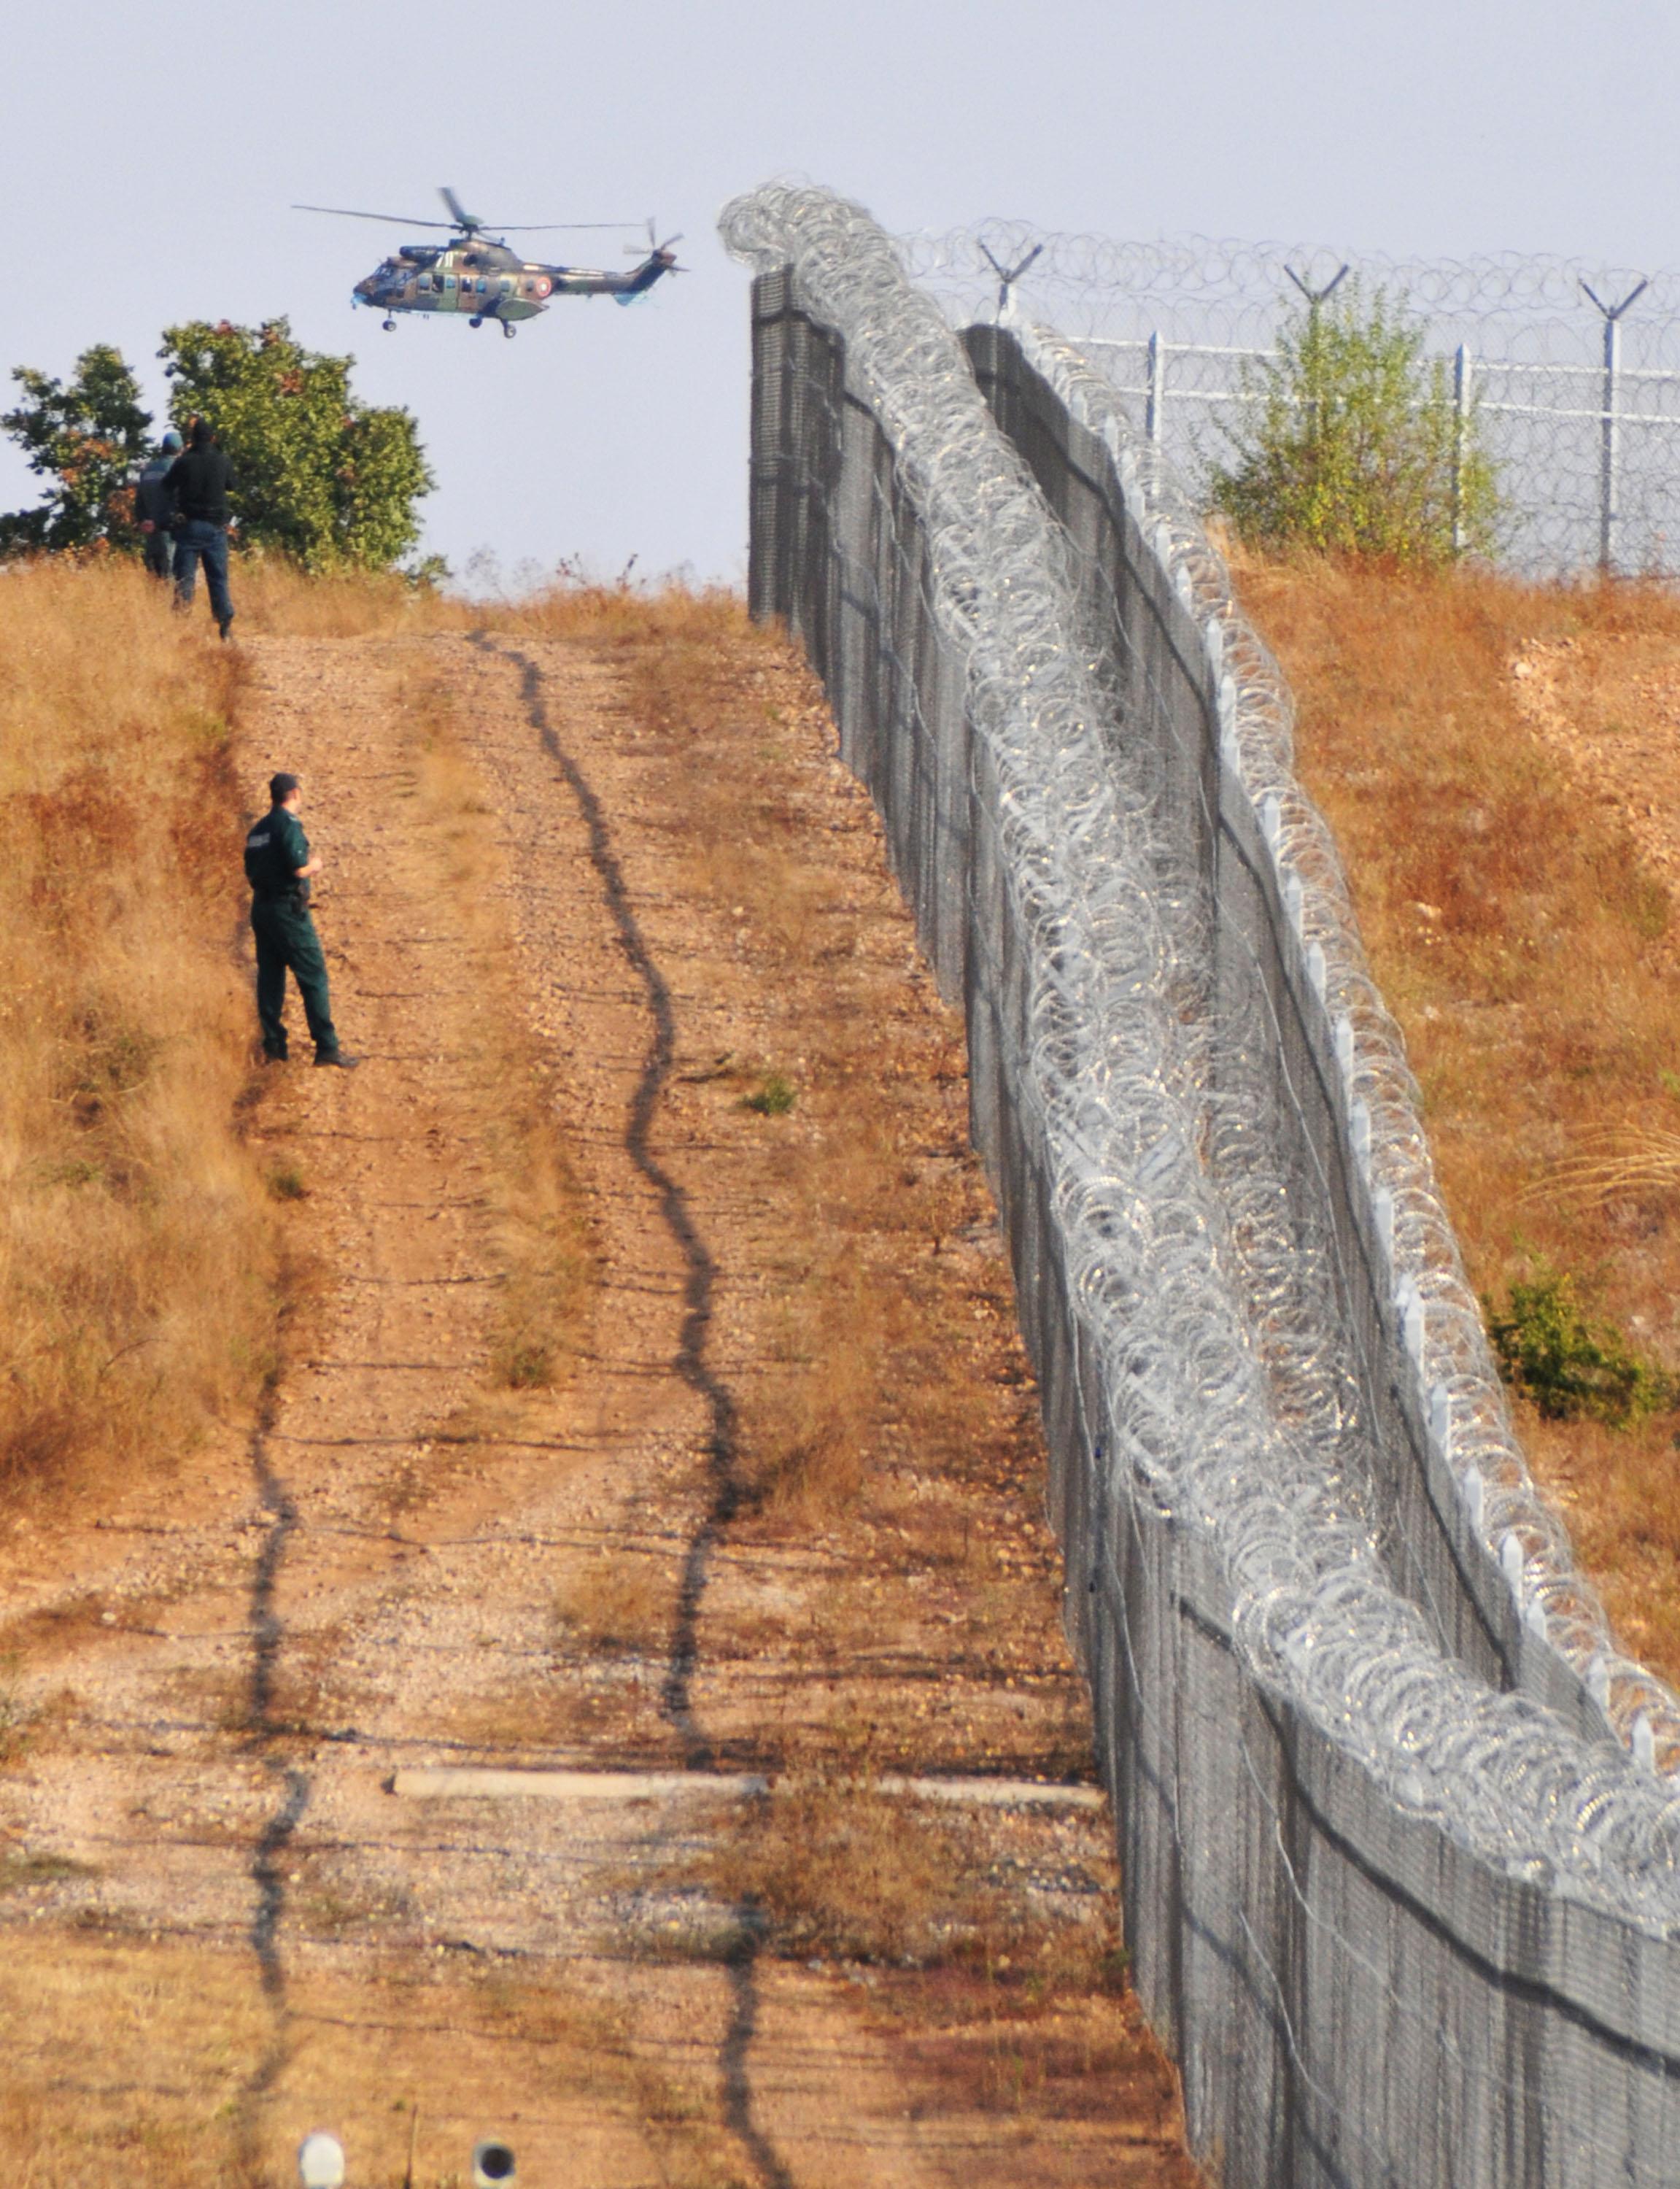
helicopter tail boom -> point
(640, 279)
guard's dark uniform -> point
(286, 933)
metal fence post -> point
(1610, 449)
(1609, 434)
(1462, 369)
(1157, 387)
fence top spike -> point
(1616, 311)
(1317, 296)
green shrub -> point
(1568, 1366)
(775, 1098)
(1354, 446)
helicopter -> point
(475, 276)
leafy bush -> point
(86, 437)
(775, 1098)
(1355, 447)
(1570, 1366)
(318, 476)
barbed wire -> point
(1192, 285)
(1582, 429)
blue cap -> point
(171, 443)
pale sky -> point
(150, 152)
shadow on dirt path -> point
(267, 1874)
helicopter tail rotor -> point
(654, 249)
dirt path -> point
(556, 1473)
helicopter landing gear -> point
(509, 329)
(389, 326)
(477, 321)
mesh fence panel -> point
(1396, 1898)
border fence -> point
(1569, 373)
(1401, 1854)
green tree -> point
(87, 436)
(1354, 445)
(318, 474)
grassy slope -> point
(1530, 956)
(137, 1261)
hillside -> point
(1501, 764)
(618, 1374)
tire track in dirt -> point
(691, 1364)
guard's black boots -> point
(336, 1056)
(225, 626)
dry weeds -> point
(161, 2099)
(1524, 944)
(617, 1603)
(138, 1268)
(831, 1866)
(275, 598)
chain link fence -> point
(1568, 374)
(1401, 1859)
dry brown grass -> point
(161, 2098)
(987, 1950)
(138, 1264)
(1526, 948)
(617, 1602)
(275, 598)
(834, 1868)
(686, 640)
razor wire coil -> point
(1148, 1238)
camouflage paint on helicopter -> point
(478, 276)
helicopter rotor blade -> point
(463, 218)
(350, 212)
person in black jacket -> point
(155, 506)
(197, 483)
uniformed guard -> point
(279, 867)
